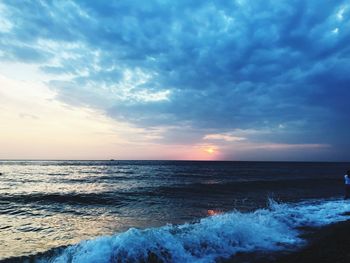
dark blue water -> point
(47, 204)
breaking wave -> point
(277, 227)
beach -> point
(328, 244)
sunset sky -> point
(201, 80)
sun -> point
(210, 150)
(207, 152)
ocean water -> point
(170, 211)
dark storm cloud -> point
(226, 64)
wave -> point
(141, 193)
(105, 198)
(216, 237)
(243, 186)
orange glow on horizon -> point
(210, 150)
(202, 152)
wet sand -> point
(330, 244)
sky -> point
(185, 80)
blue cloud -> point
(225, 65)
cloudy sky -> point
(230, 80)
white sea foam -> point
(217, 236)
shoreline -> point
(328, 244)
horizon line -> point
(170, 160)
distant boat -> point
(112, 160)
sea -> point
(162, 211)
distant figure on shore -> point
(347, 185)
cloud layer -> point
(216, 68)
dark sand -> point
(330, 244)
